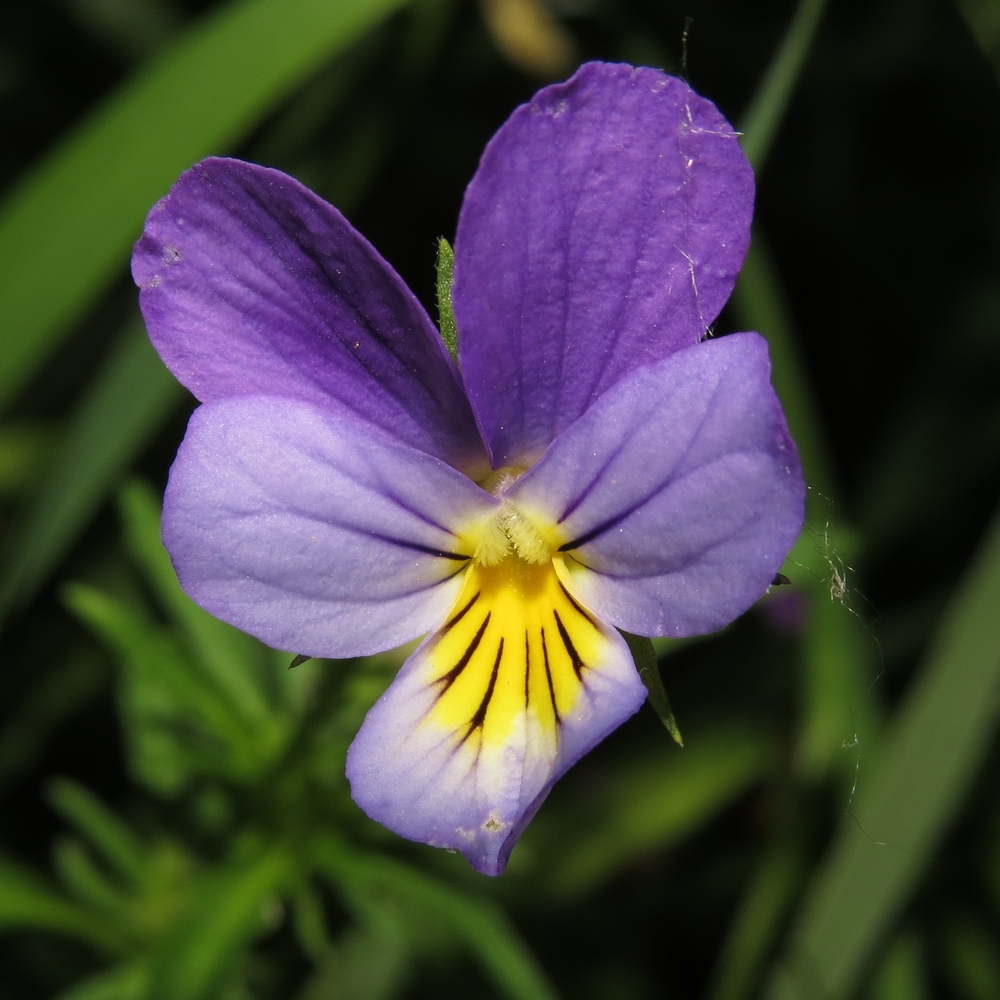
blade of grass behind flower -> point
(839, 713)
(175, 689)
(123, 982)
(127, 402)
(838, 704)
(234, 660)
(925, 764)
(768, 896)
(983, 18)
(901, 974)
(831, 643)
(27, 902)
(649, 809)
(105, 830)
(762, 119)
(226, 916)
(67, 229)
(489, 935)
(481, 924)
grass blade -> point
(66, 231)
(983, 18)
(480, 924)
(649, 809)
(105, 830)
(123, 982)
(25, 901)
(226, 916)
(121, 410)
(768, 897)
(762, 119)
(927, 760)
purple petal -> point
(464, 746)
(678, 493)
(312, 530)
(603, 230)
(253, 285)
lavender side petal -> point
(312, 530)
(678, 494)
(603, 230)
(252, 284)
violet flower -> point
(593, 463)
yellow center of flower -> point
(516, 647)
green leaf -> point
(776, 879)
(26, 902)
(85, 880)
(983, 18)
(644, 657)
(928, 758)
(124, 982)
(370, 961)
(309, 921)
(225, 918)
(446, 311)
(66, 230)
(235, 662)
(972, 958)
(480, 924)
(839, 707)
(25, 449)
(767, 108)
(163, 686)
(652, 807)
(126, 404)
(490, 936)
(106, 831)
(901, 975)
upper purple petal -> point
(311, 529)
(253, 284)
(603, 231)
(679, 492)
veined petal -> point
(251, 284)
(312, 530)
(678, 494)
(518, 684)
(603, 230)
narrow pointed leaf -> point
(26, 902)
(106, 831)
(646, 663)
(446, 311)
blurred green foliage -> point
(176, 823)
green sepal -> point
(446, 312)
(644, 657)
